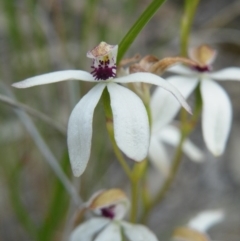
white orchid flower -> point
(131, 127)
(111, 206)
(104, 229)
(217, 111)
(163, 110)
(206, 219)
(197, 227)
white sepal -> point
(216, 117)
(205, 220)
(111, 233)
(155, 80)
(131, 127)
(171, 135)
(87, 230)
(80, 129)
(158, 156)
(232, 73)
(164, 106)
(137, 232)
(53, 77)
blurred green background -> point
(43, 36)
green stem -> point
(167, 184)
(20, 210)
(138, 26)
(173, 172)
(134, 201)
(109, 124)
(138, 172)
(139, 169)
(190, 7)
(117, 152)
(58, 205)
(187, 127)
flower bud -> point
(112, 204)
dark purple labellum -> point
(104, 71)
(108, 212)
(201, 69)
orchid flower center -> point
(103, 68)
(204, 55)
(108, 212)
(202, 69)
(104, 58)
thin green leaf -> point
(57, 207)
(137, 27)
(20, 210)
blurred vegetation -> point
(43, 36)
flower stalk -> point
(187, 126)
(190, 7)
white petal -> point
(156, 80)
(131, 127)
(164, 106)
(182, 70)
(171, 135)
(111, 233)
(205, 220)
(216, 117)
(232, 73)
(55, 77)
(80, 129)
(87, 230)
(192, 151)
(137, 232)
(158, 156)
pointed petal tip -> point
(76, 172)
(187, 107)
(206, 219)
(18, 85)
(217, 152)
(140, 159)
(216, 117)
(54, 77)
(189, 110)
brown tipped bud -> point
(163, 64)
(112, 203)
(187, 234)
(204, 55)
(101, 50)
(126, 61)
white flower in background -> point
(111, 206)
(131, 127)
(197, 227)
(217, 111)
(205, 220)
(163, 111)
